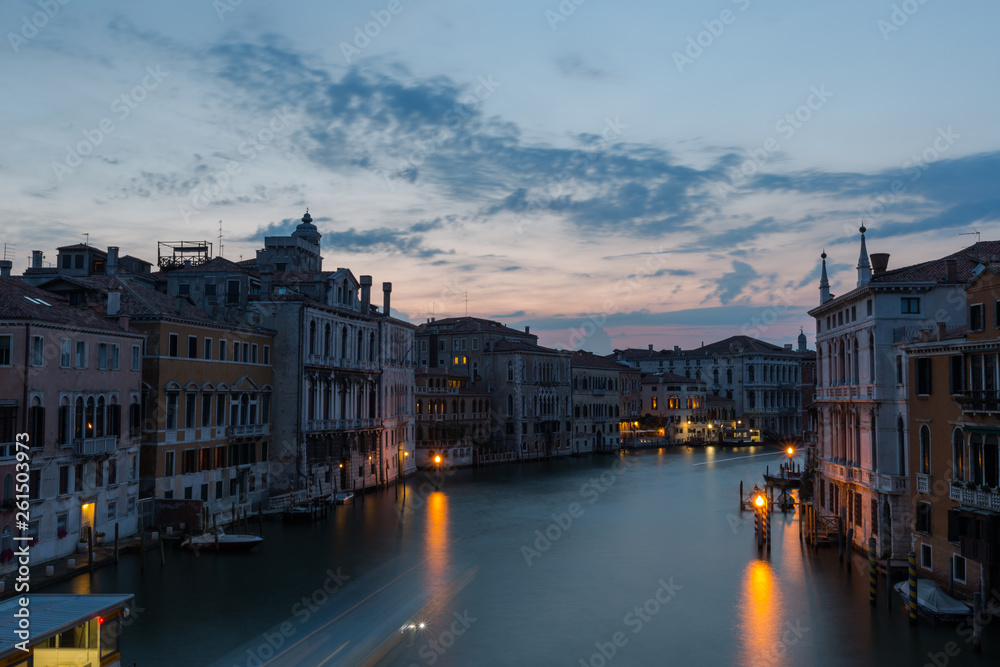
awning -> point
(976, 428)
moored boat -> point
(207, 540)
(933, 602)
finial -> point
(823, 256)
(307, 218)
(863, 229)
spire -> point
(824, 282)
(802, 341)
(864, 266)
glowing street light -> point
(759, 501)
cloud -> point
(731, 285)
(575, 65)
(405, 241)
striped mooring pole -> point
(912, 600)
(872, 572)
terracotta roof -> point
(522, 346)
(473, 325)
(983, 252)
(20, 301)
(665, 378)
(82, 246)
(583, 359)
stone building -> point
(596, 403)
(70, 378)
(453, 419)
(679, 404)
(861, 394)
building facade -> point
(71, 381)
(596, 403)
(453, 419)
(678, 402)
(862, 408)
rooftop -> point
(52, 614)
(20, 301)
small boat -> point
(786, 478)
(225, 542)
(343, 497)
(933, 602)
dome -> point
(307, 230)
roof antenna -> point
(974, 231)
(87, 235)
(220, 239)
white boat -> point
(933, 602)
(225, 542)
(343, 497)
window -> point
(253, 353)
(925, 450)
(81, 354)
(925, 556)
(102, 356)
(206, 410)
(222, 350)
(63, 480)
(168, 464)
(172, 345)
(655, 403)
(958, 568)
(923, 369)
(192, 347)
(112, 471)
(958, 454)
(37, 351)
(909, 305)
(923, 518)
(210, 289)
(207, 352)
(246, 353)
(955, 367)
(976, 317)
(190, 461)
(189, 408)
(171, 411)
(135, 357)
(868, 307)
(184, 289)
(65, 353)
(475, 344)
(266, 359)
(113, 357)
(233, 291)
(442, 345)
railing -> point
(95, 446)
(923, 483)
(979, 401)
(248, 430)
(976, 496)
(8, 450)
(437, 390)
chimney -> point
(5, 267)
(951, 270)
(650, 347)
(36, 259)
(386, 298)
(114, 301)
(111, 267)
(788, 346)
(941, 328)
(677, 348)
(527, 329)
(366, 294)
(880, 260)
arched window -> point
(328, 341)
(90, 417)
(99, 417)
(925, 450)
(420, 407)
(750, 373)
(312, 337)
(976, 458)
(343, 342)
(510, 371)
(510, 404)
(990, 468)
(359, 351)
(958, 454)
(371, 347)
(8, 490)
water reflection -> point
(760, 616)
(436, 551)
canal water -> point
(642, 559)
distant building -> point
(82, 260)
(453, 419)
(529, 384)
(596, 403)
(630, 395)
(679, 404)
(762, 379)
(70, 378)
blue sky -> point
(612, 174)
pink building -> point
(70, 379)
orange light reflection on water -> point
(437, 540)
(760, 615)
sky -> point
(611, 174)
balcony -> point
(873, 480)
(923, 483)
(95, 446)
(985, 402)
(976, 497)
(248, 430)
